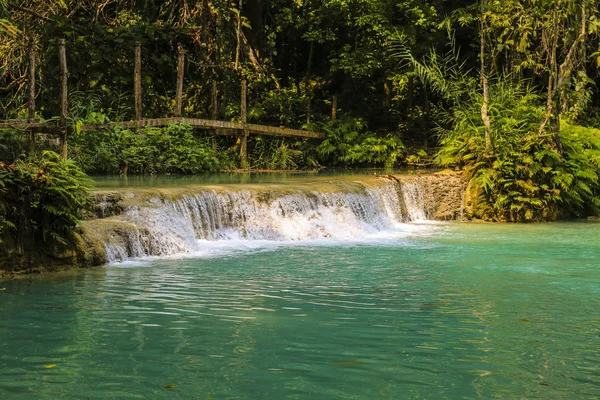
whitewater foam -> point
(216, 223)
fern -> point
(42, 202)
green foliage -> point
(515, 111)
(273, 155)
(7, 28)
(174, 149)
(281, 154)
(280, 107)
(13, 143)
(523, 178)
(348, 142)
(416, 157)
(518, 186)
(42, 202)
(580, 179)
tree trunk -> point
(484, 83)
(31, 103)
(410, 94)
(213, 115)
(137, 81)
(564, 75)
(387, 93)
(334, 108)
(559, 79)
(307, 87)
(551, 79)
(244, 141)
(239, 34)
(180, 76)
(309, 64)
(63, 98)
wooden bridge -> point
(223, 128)
(216, 127)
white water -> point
(213, 223)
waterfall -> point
(414, 201)
(182, 225)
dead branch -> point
(31, 12)
(11, 85)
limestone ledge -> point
(443, 193)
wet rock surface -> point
(443, 194)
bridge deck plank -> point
(222, 127)
(226, 128)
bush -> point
(348, 142)
(174, 149)
(41, 203)
(523, 177)
(13, 143)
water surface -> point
(228, 178)
(461, 311)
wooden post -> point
(215, 107)
(239, 32)
(180, 73)
(62, 54)
(137, 81)
(244, 139)
(31, 104)
(308, 110)
(334, 108)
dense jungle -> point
(505, 92)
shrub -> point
(523, 177)
(41, 203)
(348, 142)
(173, 149)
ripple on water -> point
(431, 317)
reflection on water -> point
(468, 311)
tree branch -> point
(11, 85)
(31, 12)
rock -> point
(443, 192)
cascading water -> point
(185, 224)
